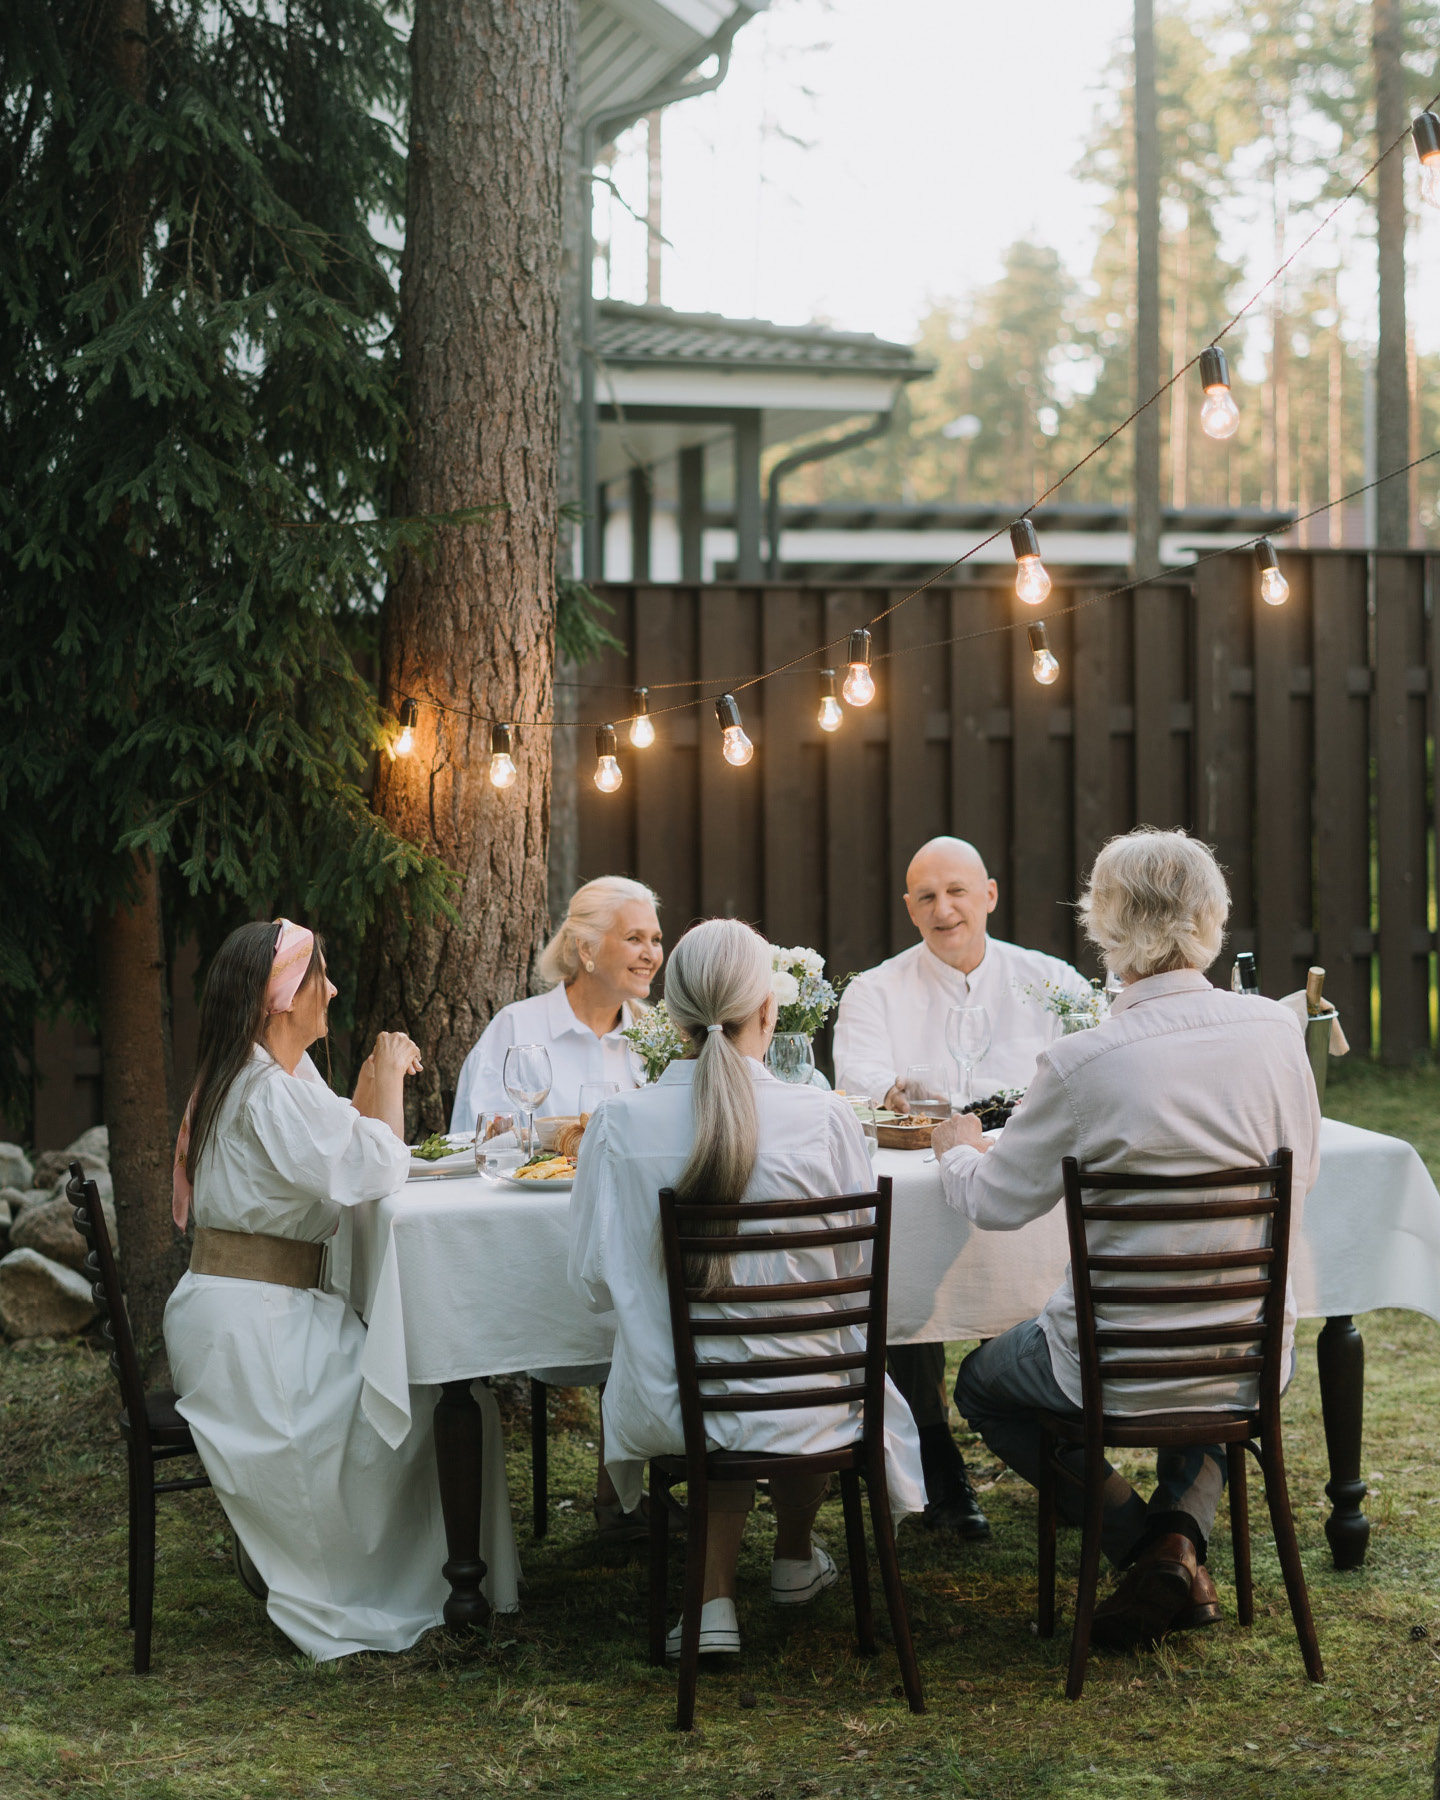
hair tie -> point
(710, 1028)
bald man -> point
(894, 1016)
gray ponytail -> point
(719, 975)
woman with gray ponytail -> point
(717, 1126)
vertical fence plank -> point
(913, 690)
(606, 822)
(1041, 855)
(1282, 787)
(856, 792)
(666, 777)
(980, 728)
(729, 842)
(792, 775)
(1341, 726)
(1401, 809)
(1223, 761)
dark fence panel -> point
(1297, 740)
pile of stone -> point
(42, 1291)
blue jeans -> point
(1005, 1383)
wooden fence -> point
(1297, 740)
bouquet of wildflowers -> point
(657, 1043)
(1076, 1012)
(805, 998)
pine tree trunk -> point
(133, 1042)
(1392, 394)
(472, 626)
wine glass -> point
(967, 1036)
(527, 1079)
(593, 1095)
(496, 1144)
(927, 1092)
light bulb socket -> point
(1023, 540)
(1426, 132)
(727, 712)
(859, 647)
(1265, 555)
(409, 715)
(502, 740)
(1214, 370)
(1039, 638)
(605, 740)
(641, 707)
(827, 685)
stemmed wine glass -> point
(967, 1037)
(527, 1078)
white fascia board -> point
(808, 390)
(674, 24)
(1060, 549)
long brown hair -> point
(232, 1021)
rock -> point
(40, 1298)
(54, 1165)
(50, 1229)
(15, 1169)
(5, 1214)
(94, 1142)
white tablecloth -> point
(459, 1278)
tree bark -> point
(1147, 297)
(133, 1037)
(471, 627)
(1392, 393)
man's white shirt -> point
(894, 1016)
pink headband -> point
(293, 949)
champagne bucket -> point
(1317, 1047)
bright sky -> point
(939, 131)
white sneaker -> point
(795, 1583)
(719, 1631)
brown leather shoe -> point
(1204, 1607)
(1150, 1596)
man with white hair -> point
(893, 1017)
(1182, 1077)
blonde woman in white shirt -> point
(718, 1125)
(1180, 1078)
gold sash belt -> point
(252, 1256)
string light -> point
(607, 770)
(738, 748)
(832, 716)
(642, 726)
(859, 688)
(1043, 665)
(502, 760)
(1219, 416)
(1274, 588)
(409, 714)
(1426, 130)
(1032, 584)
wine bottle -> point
(1315, 1002)
(1243, 977)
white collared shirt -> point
(1180, 1078)
(894, 1016)
(808, 1144)
(576, 1056)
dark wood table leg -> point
(459, 1446)
(1340, 1358)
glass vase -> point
(791, 1057)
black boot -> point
(951, 1503)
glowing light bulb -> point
(502, 762)
(859, 688)
(607, 771)
(832, 714)
(1426, 130)
(1043, 665)
(1219, 416)
(405, 743)
(1032, 584)
(642, 726)
(736, 747)
(1274, 588)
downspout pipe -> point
(787, 465)
(594, 131)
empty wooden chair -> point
(1199, 1351)
(152, 1429)
(682, 1236)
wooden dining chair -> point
(1213, 1348)
(682, 1235)
(152, 1429)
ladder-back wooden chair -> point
(1205, 1351)
(864, 1373)
(152, 1429)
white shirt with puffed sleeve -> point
(577, 1055)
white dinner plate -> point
(552, 1186)
(458, 1162)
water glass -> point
(967, 1037)
(927, 1092)
(870, 1125)
(527, 1077)
(497, 1147)
(593, 1094)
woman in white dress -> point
(344, 1532)
(600, 964)
(718, 1125)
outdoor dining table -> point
(462, 1277)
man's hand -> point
(895, 1100)
(959, 1128)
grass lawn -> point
(562, 1701)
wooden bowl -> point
(905, 1137)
